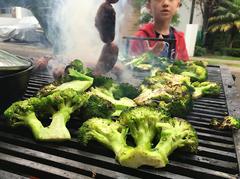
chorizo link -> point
(107, 59)
(105, 22)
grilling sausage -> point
(107, 59)
(105, 22)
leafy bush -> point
(200, 51)
(235, 52)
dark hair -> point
(180, 4)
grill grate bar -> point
(216, 157)
(5, 174)
(217, 145)
(224, 106)
(60, 162)
(199, 106)
(218, 138)
(214, 164)
(62, 150)
(199, 172)
(35, 168)
(207, 111)
(212, 101)
(210, 131)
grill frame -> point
(233, 105)
(217, 157)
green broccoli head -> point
(76, 77)
(156, 136)
(190, 69)
(142, 124)
(176, 133)
(97, 106)
(176, 99)
(111, 134)
(228, 122)
(118, 90)
(22, 112)
(59, 104)
(68, 99)
(119, 104)
(206, 88)
(79, 66)
(200, 63)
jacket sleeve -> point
(137, 47)
(181, 48)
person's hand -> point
(158, 47)
(42, 62)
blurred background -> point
(212, 28)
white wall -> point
(185, 12)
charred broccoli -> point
(168, 91)
(145, 125)
(76, 77)
(194, 70)
(59, 104)
(108, 98)
(206, 88)
(118, 90)
(228, 122)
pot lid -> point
(10, 62)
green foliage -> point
(200, 51)
(226, 18)
(235, 52)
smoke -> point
(78, 36)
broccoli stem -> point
(115, 141)
(34, 124)
(169, 141)
(143, 138)
(197, 93)
(57, 130)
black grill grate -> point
(21, 156)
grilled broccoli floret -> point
(118, 104)
(142, 124)
(59, 104)
(142, 59)
(206, 88)
(190, 69)
(22, 113)
(155, 134)
(228, 122)
(108, 98)
(76, 77)
(145, 124)
(107, 132)
(118, 90)
(97, 106)
(167, 91)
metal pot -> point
(13, 79)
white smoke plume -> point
(78, 35)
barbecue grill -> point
(218, 156)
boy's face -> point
(162, 10)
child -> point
(162, 12)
